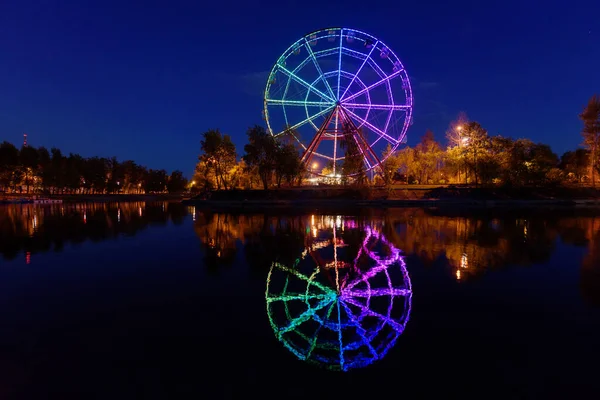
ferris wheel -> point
(337, 85)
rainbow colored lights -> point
(334, 78)
(337, 314)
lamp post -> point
(458, 130)
(313, 168)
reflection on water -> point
(29, 229)
(469, 246)
(343, 303)
(502, 299)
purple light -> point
(390, 107)
(374, 128)
(358, 72)
(373, 86)
(323, 86)
(358, 343)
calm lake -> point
(165, 301)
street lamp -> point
(462, 141)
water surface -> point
(160, 300)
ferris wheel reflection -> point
(347, 298)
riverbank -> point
(93, 198)
(455, 197)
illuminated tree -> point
(475, 145)
(454, 131)
(219, 154)
(389, 167)
(575, 164)
(591, 133)
(428, 155)
(408, 166)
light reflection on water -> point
(85, 287)
(469, 245)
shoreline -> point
(438, 203)
(426, 197)
(90, 198)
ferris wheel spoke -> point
(389, 107)
(299, 103)
(307, 120)
(360, 69)
(359, 329)
(373, 127)
(318, 67)
(305, 316)
(313, 342)
(304, 83)
(378, 83)
(339, 315)
(301, 297)
(303, 277)
(377, 292)
(340, 64)
(365, 311)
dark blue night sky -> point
(143, 79)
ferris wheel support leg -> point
(311, 148)
(366, 150)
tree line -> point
(471, 156)
(37, 170)
(267, 161)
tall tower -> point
(24, 140)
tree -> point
(475, 144)
(219, 154)
(288, 165)
(455, 137)
(9, 162)
(157, 181)
(58, 169)
(408, 167)
(204, 177)
(454, 131)
(29, 160)
(261, 153)
(51, 171)
(500, 162)
(94, 174)
(353, 164)
(428, 156)
(74, 172)
(591, 133)
(390, 165)
(176, 182)
(575, 164)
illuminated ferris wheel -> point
(337, 85)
